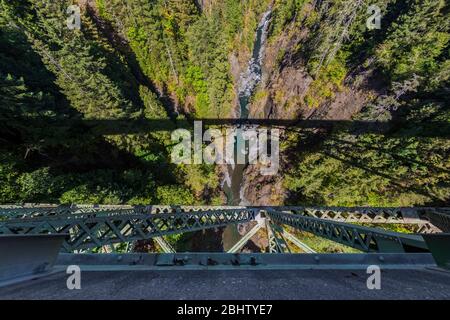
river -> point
(248, 82)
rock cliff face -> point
(286, 83)
(282, 94)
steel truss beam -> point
(17, 212)
(250, 261)
(358, 237)
(99, 226)
(417, 217)
(165, 246)
(278, 232)
(277, 244)
(273, 245)
(45, 210)
(440, 217)
(297, 242)
(97, 230)
(238, 246)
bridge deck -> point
(306, 276)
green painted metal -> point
(358, 237)
(241, 243)
(97, 230)
(440, 217)
(439, 245)
(279, 238)
(28, 255)
(411, 216)
(45, 210)
(297, 242)
(165, 246)
(99, 226)
(250, 261)
(273, 244)
(415, 217)
(34, 211)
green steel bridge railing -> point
(98, 226)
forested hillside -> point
(323, 63)
(167, 60)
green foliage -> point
(101, 6)
(174, 195)
(16, 98)
(36, 184)
(77, 60)
(416, 41)
(83, 194)
(26, 88)
(199, 178)
(9, 188)
(327, 83)
(411, 50)
(285, 11)
(322, 245)
(375, 170)
(62, 164)
(196, 83)
(185, 52)
(175, 57)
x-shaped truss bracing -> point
(358, 237)
(440, 217)
(105, 229)
(98, 226)
(417, 217)
(35, 211)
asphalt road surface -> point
(239, 285)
